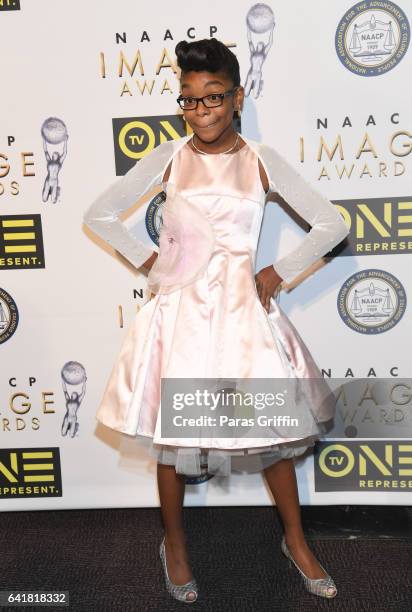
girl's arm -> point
(328, 227)
(103, 215)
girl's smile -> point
(206, 126)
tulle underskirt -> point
(195, 461)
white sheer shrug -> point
(327, 225)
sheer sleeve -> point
(103, 215)
(328, 228)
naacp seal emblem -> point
(154, 216)
(9, 316)
(372, 37)
(371, 301)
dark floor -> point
(108, 559)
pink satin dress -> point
(213, 327)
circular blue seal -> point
(372, 37)
(154, 216)
(371, 301)
(9, 316)
(197, 480)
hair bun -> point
(208, 54)
(182, 48)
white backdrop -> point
(69, 305)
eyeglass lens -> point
(209, 101)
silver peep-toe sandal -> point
(178, 591)
(324, 587)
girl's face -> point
(210, 124)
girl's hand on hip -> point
(148, 264)
(267, 280)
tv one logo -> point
(378, 465)
(135, 137)
(21, 242)
(30, 472)
(9, 5)
(378, 226)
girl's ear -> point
(239, 97)
(238, 104)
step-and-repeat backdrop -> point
(88, 88)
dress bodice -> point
(235, 174)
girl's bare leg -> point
(281, 478)
(171, 492)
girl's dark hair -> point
(208, 54)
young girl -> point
(212, 317)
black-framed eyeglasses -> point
(210, 101)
